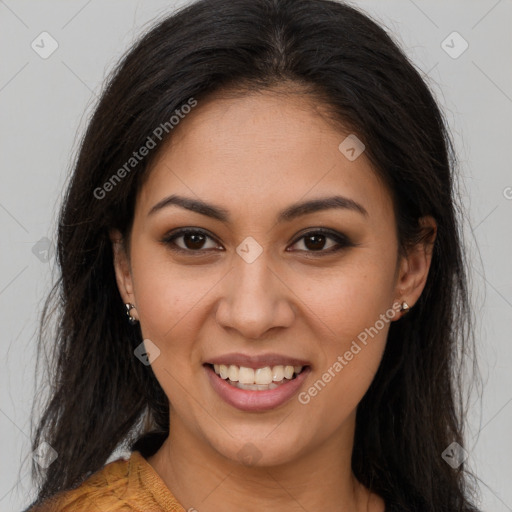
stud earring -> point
(131, 319)
(405, 307)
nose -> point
(255, 299)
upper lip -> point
(257, 361)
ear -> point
(415, 265)
(122, 269)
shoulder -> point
(117, 487)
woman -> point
(263, 290)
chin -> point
(260, 452)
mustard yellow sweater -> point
(130, 485)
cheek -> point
(351, 297)
(169, 305)
(348, 363)
(168, 298)
(352, 312)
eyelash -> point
(341, 240)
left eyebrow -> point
(288, 214)
(316, 205)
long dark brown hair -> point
(101, 398)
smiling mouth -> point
(259, 379)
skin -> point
(254, 155)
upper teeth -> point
(264, 375)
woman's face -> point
(291, 260)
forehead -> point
(260, 152)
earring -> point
(405, 307)
(131, 319)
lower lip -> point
(255, 401)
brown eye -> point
(193, 241)
(317, 241)
(189, 240)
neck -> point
(203, 479)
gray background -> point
(45, 104)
